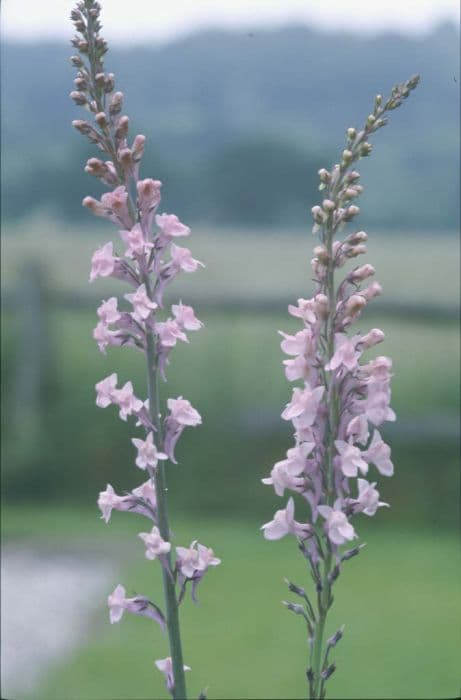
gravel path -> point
(46, 603)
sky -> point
(157, 20)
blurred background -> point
(241, 104)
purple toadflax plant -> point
(340, 404)
(147, 259)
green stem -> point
(171, 602)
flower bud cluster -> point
(147, 258)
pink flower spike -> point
(368, 498)
(286, 474)
(182, 412)
(139, 605)
(357, 428)
(147, 492)
(126, 401)
(338, 527)
(379, 454)
(195, 560)
(147, 452)
(143, 306)
(102, 262)
(165, 666)
(104, 336)
(185, 317)
(351, 460)
(105, 390)
(155, 544)
(171, 226)
(181, 259)
(297, 368)
(284, 523)
(108, 312)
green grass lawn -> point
(398, 599)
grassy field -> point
(398, 599)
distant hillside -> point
(239, 123)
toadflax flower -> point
(338, 400)
(147, 260)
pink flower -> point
(165, 666)
(297, 368)
(155, 544)
(286, 474)
(304, 405)
(104, 336)
(195, 560)
(345, 352)
(102, 262)
(137, 244)
(284, 523)
(357, 428)
(299, 344)
(368, 498)
(185, 317)
(377, 407)
(139, 605)
(142, 305)
(338, 527)
(108, 312)
(170, 225)
(379, 454)
(351, 459)
(147, 452)
(105, 391)
(107, 501)
(116, 204)
(306, 310)
(148, 199)
(126, 401)
(169, 332)
(147, 492)
(181, 259)
(182, 412)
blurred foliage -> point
(237, 122)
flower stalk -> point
(150, 262)
(338, 400)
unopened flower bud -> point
(336, 637)
(365, 149)
(116, 103)
(372, 338)
(295, 589)
(378, 100)
(321, 253)
(322, 305)
(138, 147)
(109, 83)
(351, 133)
(78, 97)
(318, 215)
(121, 131)
(347, 156)
(101, 119)
(350, 212)
(76, 61)
(328, 205)
(126, 158)
(327, 672)
(100, 79)
(358, 237)
(373, 290)
(355, 304)
(318, 269)
(355, 250)
(324, 175)
(361, 273)
(353, 176)
(371, 119)
(294, 607)
(80, 83)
